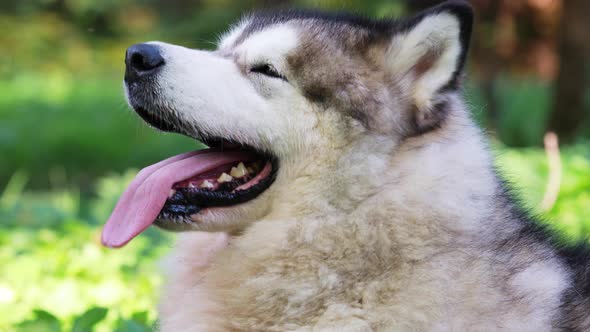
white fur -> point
(270, 45)
(543, 283)
(229, 38)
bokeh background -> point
(69, 143)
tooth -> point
(224, 177)
(191, 185)
(242, 167)
(172, 192)
(206, 184)
(238, 172)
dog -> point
(346, 187)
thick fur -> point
(386, 214)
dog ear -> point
(427, 55)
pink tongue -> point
(142, 201)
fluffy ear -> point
(427, 54)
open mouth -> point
(236, 174)
(168, 193)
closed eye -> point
(268, 70)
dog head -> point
(307, 90)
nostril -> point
(142, 59)
(138, 61)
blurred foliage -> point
(89, 37)
(55, 274)
(527, 169)
(57, 277)
(524, 107)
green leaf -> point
(43, 322)
(87, 321)
(140, 317)
(130, 325)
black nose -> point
(142, 60)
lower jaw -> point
(214, 219)
(179, 224)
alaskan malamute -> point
(346, 187)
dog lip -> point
(156, 121)
(153, 119)
(153, 115)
